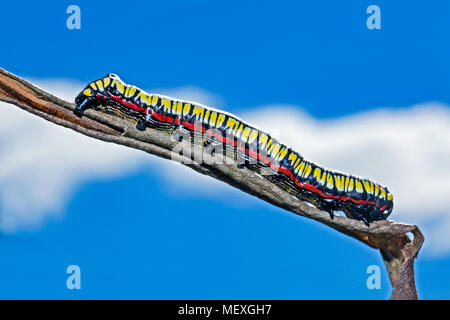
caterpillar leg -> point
(211, 145)
(142, 124)
(180, 133)
(327, 206)
(240, 157)
(358, 212)
(362, 218)
(329, 210)
(359, 216)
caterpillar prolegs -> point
(358, 198)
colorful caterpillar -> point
(328, 190)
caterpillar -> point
(329, 190)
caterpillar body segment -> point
(329, 190)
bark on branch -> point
(389, 237)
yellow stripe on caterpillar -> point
(253, 136)
(144, 98)
(351, 185)
(340, 182)
(212, 119)
(238, 132)
(206, 117)
(130, 92)
(87, 92)
(368, 186)
(106, 82)
(330, 182)
(292, 157)
(186, 109)
(282, 154)
(307, 171)
(359, 186)
(273, 151)
(324, 177)
(220, 120)
(99, 84)
(119, 86)
(167, 104)
(263, 138)
(317, 174)
(155, 100)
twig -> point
(390, 237)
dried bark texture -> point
(390, 237)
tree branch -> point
(390, 237)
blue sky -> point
(137, 235)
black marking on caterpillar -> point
(358, 198)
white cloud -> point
(408, 150)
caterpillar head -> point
(95, 90)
